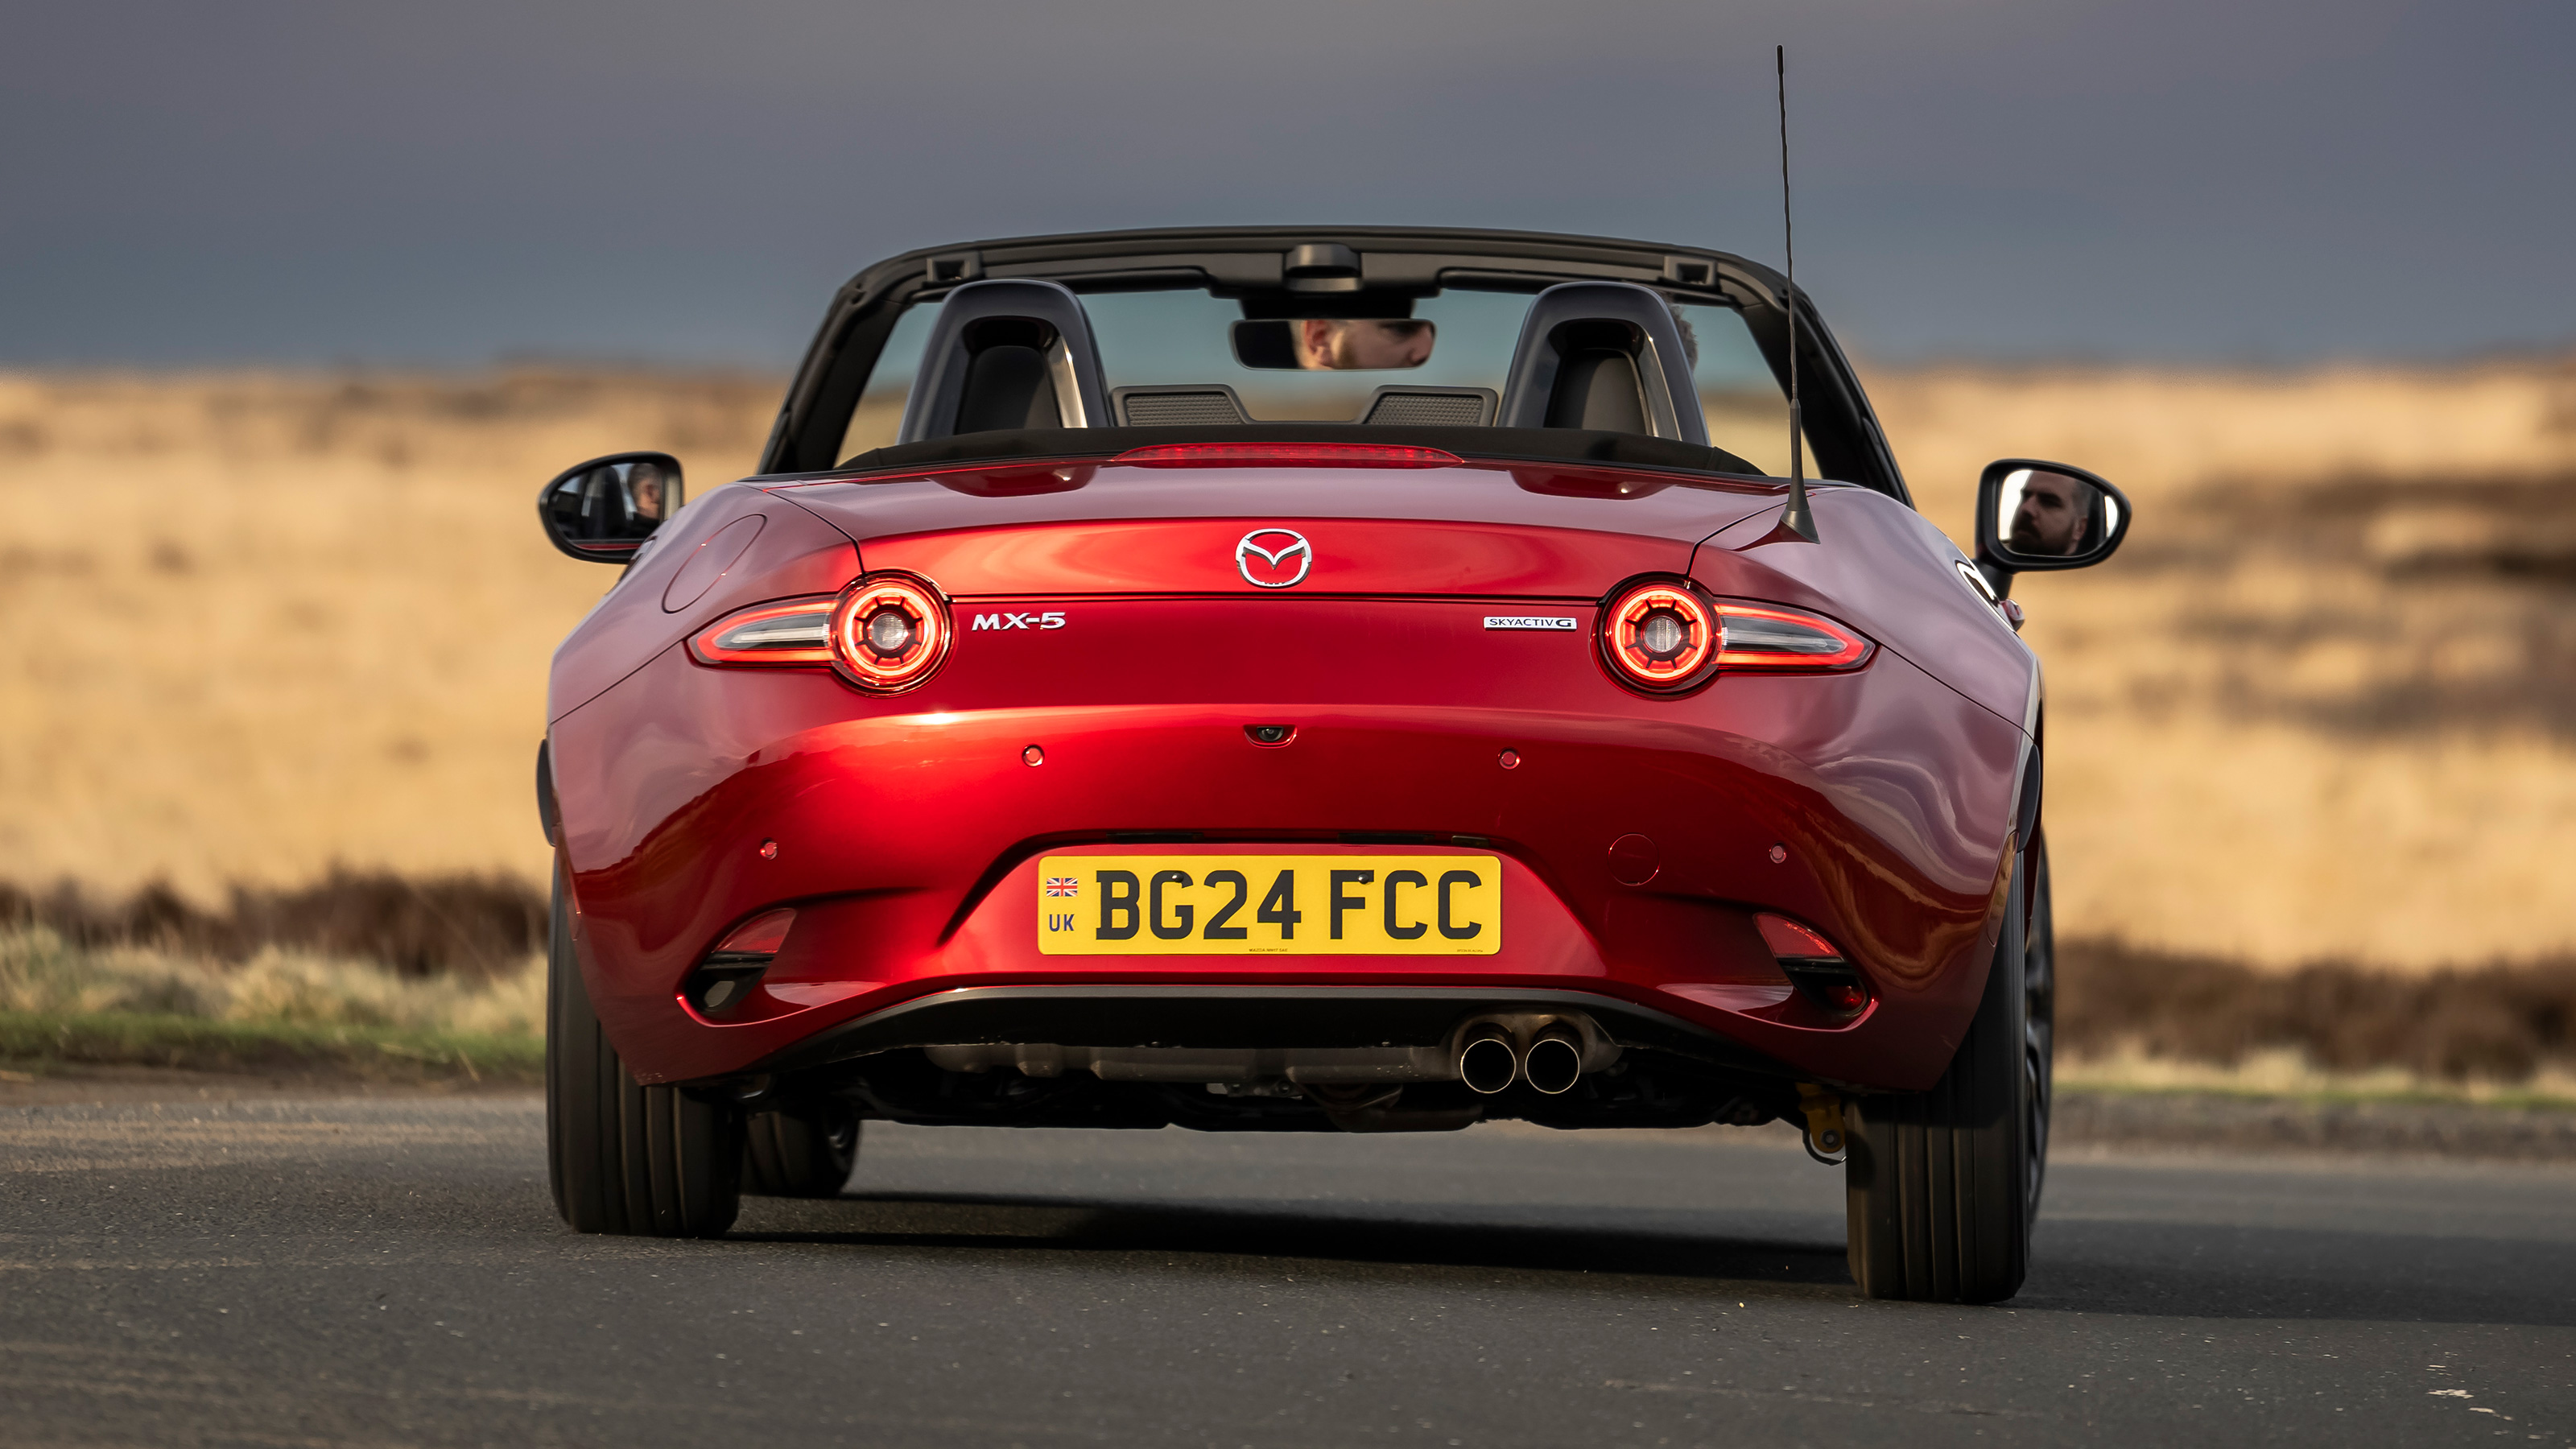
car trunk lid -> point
(1479, 530)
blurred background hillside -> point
(275, 613)
(260, 623)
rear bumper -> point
(908, 841)
(1256, 1018)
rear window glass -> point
(1746, 407)
(878, 419)
(1150, 338)
(1182, 337)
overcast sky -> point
(2237, 180)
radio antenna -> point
(1798, 518)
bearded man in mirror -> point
(2052, 517)
(1362, 344)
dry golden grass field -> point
(2323, 705)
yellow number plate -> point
(1270, 905)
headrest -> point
(1578, 319)
(1042, 316)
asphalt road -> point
(391, 1273)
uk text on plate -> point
(1270, 905)
(1549, 622)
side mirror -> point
(2034, 515)
(604, 509)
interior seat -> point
(1002, 355)
(1606, 356)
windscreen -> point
(1325, 369)
(1156, 338)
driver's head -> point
(644, 485)
(1362, 344)
(2051, 517)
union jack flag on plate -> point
(1061, 885)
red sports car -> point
(1350, 680)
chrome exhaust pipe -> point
(1486, 1062)
(1554, 1062)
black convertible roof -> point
(1341, 263)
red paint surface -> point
(909, 826)
(1886, 569)
(710, 561)
(794, 553)
(1633, 860)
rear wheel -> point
(804, 1151)
(625, 1158)
(2039, 1019)
(1942, 1186)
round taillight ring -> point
(889, 631)
(1661, 636)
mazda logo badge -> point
(1265, 556)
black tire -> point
(1942, 1186)
(2039, 1018)
(804, 1151)
(626, 1159)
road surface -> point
(390, 1272)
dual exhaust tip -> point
(1491, 1056)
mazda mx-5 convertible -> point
(1345, 680)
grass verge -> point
(2289, 1077)
(38, 1042)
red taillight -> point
(759, 937)
(1664, 636)
(1661, 636)
(1770, 637)
(1286, 455)
(888, 632)
(797, 632)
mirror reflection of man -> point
(1362, 344)
(2051, 518)
(645, 493)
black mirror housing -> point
(2034, 515)
(602, 511)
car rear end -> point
(1279, 795)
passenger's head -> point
(1362, 344)
(2053, 514)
